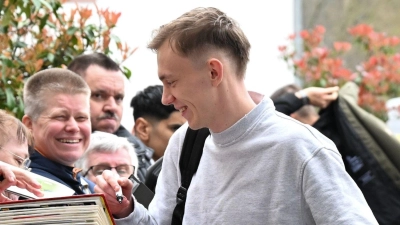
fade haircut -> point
(107, 143)
(305, 111)
(202, 29)
(80, 64)
(12, 128)
(50, 82)
(147, 104)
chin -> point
(195, 126)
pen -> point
(118, 194)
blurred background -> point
(307, 42)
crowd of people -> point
(266, 160)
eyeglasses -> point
(24, 163)
(122, 170)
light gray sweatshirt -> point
(265, 169)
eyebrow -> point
(103, 92)
(164, 76)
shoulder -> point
(289, 133)
(47, 174)
(174, 147)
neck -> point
(233, 102)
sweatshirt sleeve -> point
(331, 194)
(288, 104)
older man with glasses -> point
(107, 151)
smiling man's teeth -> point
(69, 141)
(182, 109)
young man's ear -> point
(142, 129)
(26, 120)
(216, 71)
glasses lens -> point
(125, 170)
(27, 163)
(98, 170)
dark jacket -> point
(143, 152)
(58, 172)
(370, 153)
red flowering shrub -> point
(36, 35)
(378, 75)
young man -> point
(154, 122)
(106, 83)
(258, 166)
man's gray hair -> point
(108, 143)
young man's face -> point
(107, 96)
(160, 133)
(186, 87)
(62, 131)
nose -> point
(110, 104)
(167, 97)
(72, 125)
(114, 171)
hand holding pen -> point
(112, 186)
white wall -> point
(267, 25)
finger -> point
(27, 178)
(8, 174)
(126, 186)
(106, 184)
(34, 190)
(331, 96)
(4, 198)
(4, 184)
(332, 89)
(111, 179)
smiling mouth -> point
(69, 141)
(181, 110)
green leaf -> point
(6, 18)
(7, 62)
(127, 72)
(71, 31)
(115, 38)
(50, 57)
(20, 44)
(10, 99)
(43, 21)
(38, 4)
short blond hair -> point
(13, 128)
(200, 30)
(51, 82)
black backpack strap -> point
(192, 151)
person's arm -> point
(319, 97)
(288, 104)
(162, 206)
(330, 192)
(14, 176)
(316, 96)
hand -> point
(108, 184)
(320, 97)
(14, 176)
